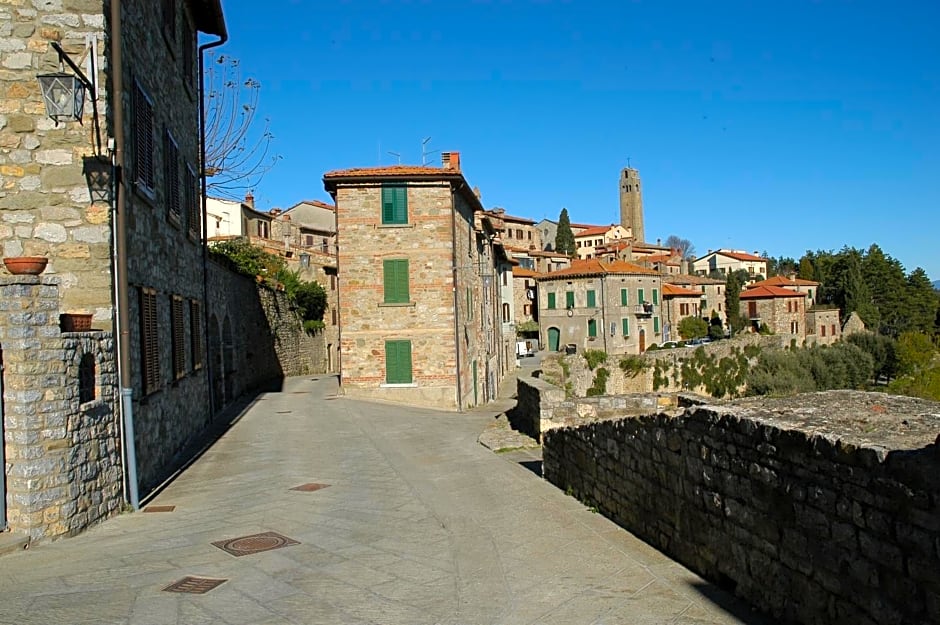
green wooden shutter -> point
(591, 299)
(641, 296)
(624, 298)
(569, 299)
(655, 297)
(395, 278)
(551, 301)
(626, 326)
(592, 327)
(656, 325)
(394, 204)
(398, 362)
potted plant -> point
(25, 265)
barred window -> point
(171, 165)
(149, 345)
(143, 141)
(195, 332)
(179, 336)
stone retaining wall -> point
(62, 454)
(813, 528)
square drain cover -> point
(195, 585)
(159, 508)
(309, 488)
(255, 543)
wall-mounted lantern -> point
(64, 94)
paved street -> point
(417, 524)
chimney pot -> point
(451, 160)
(250, 199)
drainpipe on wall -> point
(121, 285)
(604, 312)
(453, 240)
(206, 316)
(339, 317)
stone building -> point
(631, 203)
(126, 179)
(614, 307)
(809, 288)
(419, 266)
(729, 261)
(525, 294)
(712, 292)
(823, 325)
(589, 241)
(783, 311)
(519, 232)
(678, 303)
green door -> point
(554, 338)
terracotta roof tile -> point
(593, 231)
(672, 290)
(596, 267)
(687, 279)
(765, 292)
(785, 282)
(517, 220)
(390, 171)
(742, 256)
(523, 272)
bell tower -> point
(631, 202)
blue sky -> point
(768, 126)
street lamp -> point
(64, 94)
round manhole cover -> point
(255, 543)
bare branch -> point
(237, 154)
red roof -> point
(584, 226)
(523, 272)
(392, 171)
(596, 267)
(766, 292)
(785, 282)
(594, 230)
(672, 290)
(741, 256)
(517, 220)
(687, 279)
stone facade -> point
(62, 451)
(782, 310)
(823, 326)
(828, 516)
(589, 242)
(614, 322)
(447, 316)
(729, 261)
(525, 295)
(713, 293)
(631, 203)
(678, 303)
(519, 232)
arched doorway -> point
(554, 339)
(642, 340)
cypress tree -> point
(564, 237)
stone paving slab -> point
(420, 524)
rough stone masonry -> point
(819, 509)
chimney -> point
(659, 242)
(476, 192)
(451, 160)
(274, 212)
(250, 199)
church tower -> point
(631, 203)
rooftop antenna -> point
(424, 151)
(628, 162)
(397, 155)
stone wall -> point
(62, 454)
(819, 509)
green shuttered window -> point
(395, 276)
(591, 299)
(624, 298)
(626, 326)
(592, 327)
(398, 362)
(569, 299)
(394, 204)
(656, 325)
(551, 301)
(641, 296)
(656, 297)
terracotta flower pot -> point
(25, 265)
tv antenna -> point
(424, 150)
(396, 154)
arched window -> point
(86, 378)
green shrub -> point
(652, 348)
(600, 383)
(594, 357)
(692, 327)
(632, 365)
(313, 326)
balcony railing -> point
(643, 310)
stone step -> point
(10, 543)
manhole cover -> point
(159, 508)
(255, 543)
(195, 585)
(309, 488)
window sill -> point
(175, 220)
(398, 385)
(381, 226)
(396, 305)
(146, 194)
